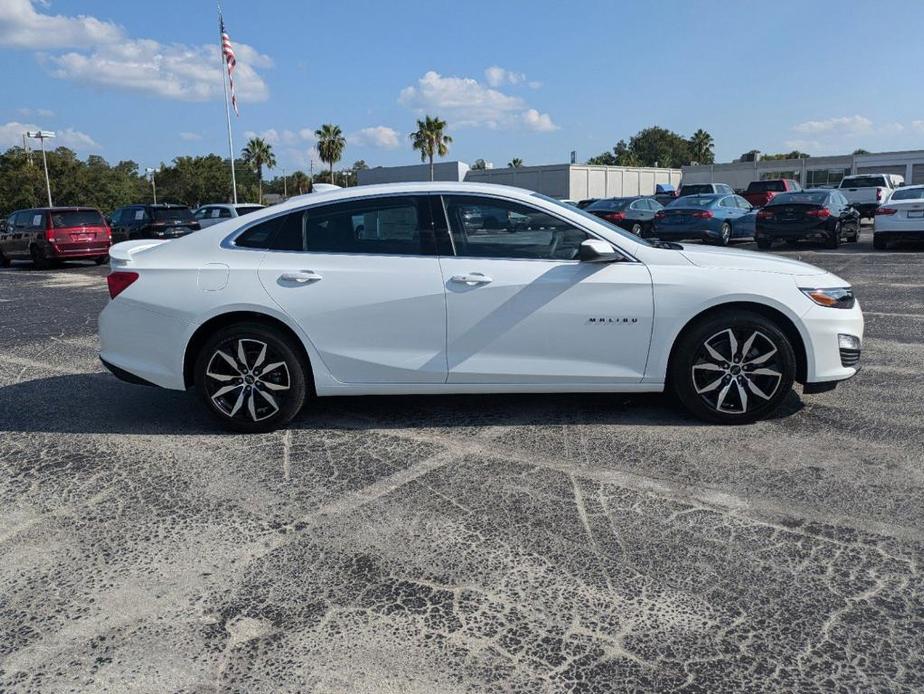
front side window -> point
(203, 212)
(492, 228)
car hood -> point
(733, 259)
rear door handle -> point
(471, 279)
(300, 277)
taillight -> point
(615, 216)
(886, 210)
(119, 282)
(49, 230)
(660, 215)
(702, 214)
(765, 214)
(821, 213)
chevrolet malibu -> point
(465, 288)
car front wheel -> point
(734, 368)
(251, 377)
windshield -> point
(766, 186)
(863, 182)
(595, 219)
(172, 214)
(694, 201)
(800, 199)
(697, 189)
(908, 194)
(608, 205)
(247, 209)
(76, 218)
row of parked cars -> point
(48, 235)
(773, 210)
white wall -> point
(578, 182)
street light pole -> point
(151, 172)
(42, 135)
(285, 188)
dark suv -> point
(152, 222)
(47, 235)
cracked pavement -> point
(451, 544)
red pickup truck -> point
(759, 193)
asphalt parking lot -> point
(448, 544)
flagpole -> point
(224, 86)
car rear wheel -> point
(637, 229)
(39, 259)
(4, 261)
(251, 377)
(725, 233)
(879, 243)
(733, 368)
(834, 240)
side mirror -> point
(597, 251)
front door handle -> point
(471, 279)
(300, 277)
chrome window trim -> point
(227, 242)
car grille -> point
(850, 357)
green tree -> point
(860, 151)
(701, 147)
(430, 140)
(479, 165)
(603, 159)
(256, 154)
(331, 144)
(299, 183)
(656, 146)
(360, 165)
(515, 163)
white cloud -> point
(103, 55)
(11, 135)
(40, 112)
(540, 122)
(377, 136)
(190, 137)
(22, 27)
(307, 134)
(463, 101)
(918, 125)
(497, 76)
(842, 124)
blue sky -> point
(140, 80)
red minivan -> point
(50, 234)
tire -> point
(101, 259)
(764, 244)
(704, 379)
(725, 233)
(4, 261)
(856, 234)
(240, 396)
(792, 243)
(637, 229)
(879, 243)
(834, 240)
(38, 258)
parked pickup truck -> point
(759, 193)
(866, 192)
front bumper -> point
(826, 362)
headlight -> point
(840, 297)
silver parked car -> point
(207, 215)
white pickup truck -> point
(866, 192)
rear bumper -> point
(796, 232)
(64, 251)
(684, 234)
(897, 235)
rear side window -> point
(908, 194)
(76, 218)
(35, 220)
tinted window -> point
(800, 199)
(171, 214)
(203, 212)
(908, 194)
(35, 219)
(863, 182)
(766, 186)
(247, 209)
(728, 202)
(388, 226)
(223, 212)
(613, 204)
(76, 218)
(694, 201)
(260, 235)
(493, 228)
(697, 189)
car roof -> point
(75, 208)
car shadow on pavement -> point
(99, 404)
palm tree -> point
(300, 182)
(257, 154)
(430, 140)
(331, 144)
(479, 165)
(515, 163)
(701, 146)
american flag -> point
(227, 52)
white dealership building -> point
(811, 171)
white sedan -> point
(465, 288)
(901, 218)
(209, 215)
